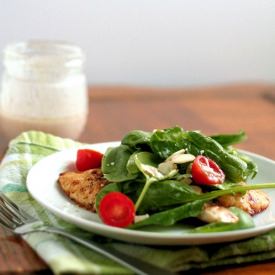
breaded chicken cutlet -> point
(252, 202)
(82, 187)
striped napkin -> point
(64, 256)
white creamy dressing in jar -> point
(43, 88)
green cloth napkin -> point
(64, 256)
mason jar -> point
(43, 88)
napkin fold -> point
(65, 256)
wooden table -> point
(116, 110)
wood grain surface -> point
(116, 110)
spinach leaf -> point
(171, 216)
(114, 164)
(112, 187)
(146, 163)
(230, 139)
(136, 139)
(192, 206)
(233, 190)
(223, 186)
(185, 195)
(252, 168)
(130, 188)
(168, 141)
(131, 164)
(245, 221)
(235, 168)
(165, 194)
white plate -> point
(42, 185)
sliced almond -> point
(152, 171)
(182, 158)
(166, 167)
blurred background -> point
(154, 42)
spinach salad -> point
(172, 176)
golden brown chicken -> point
(253, 201)
(82, 187)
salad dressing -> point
(43, 88)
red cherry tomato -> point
(116, 209)
(88, 159)
(206, 171)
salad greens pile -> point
(154, 170)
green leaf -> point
(146, 163)
(167, 193)
(229, 139)
(252, 168)
(171, 216)
(136, 139)
(168, 141)
(131, 164)
(114, 164)
(191, 205)
(186, 195)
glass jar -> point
(43, 88)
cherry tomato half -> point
(88, 159)
(116, 209)
(206, 171)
